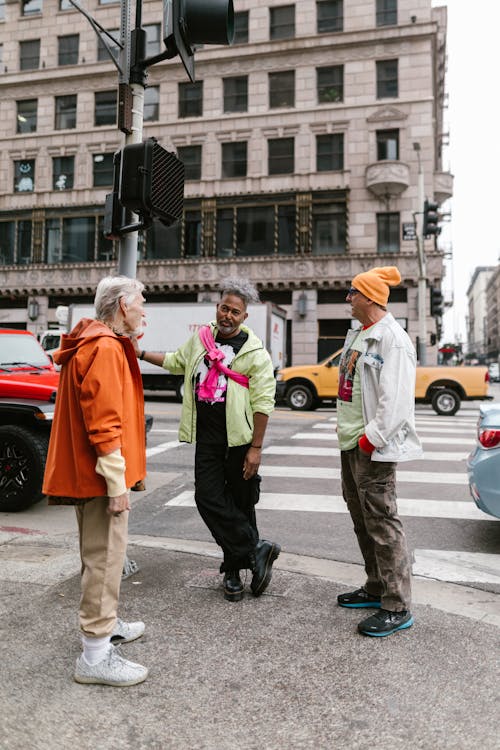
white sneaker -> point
(125, 632)
(112, 670)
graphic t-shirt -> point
(350, 424)
(211, 415)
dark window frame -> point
(387, 141)
(191, 157)
(282, 22)
(18, 169)
(235, 93)
(282, 89)
(105, 105)
(241, 27)
(329, 22)
(151, 108)
(35, 9)
(330, 159)
(190, 99)
(64, 108)
(26, 115)
(388, 232)
(29, 61)
(275, 159)
(234, 159)
(387, 72)
(58, 171)
(386, 13)
(331, 215)
(330, 84)
(68, 56)
(102, 176)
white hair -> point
(109, 292)
(242, 288)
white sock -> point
(95, 649)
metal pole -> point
(127, 258)
(422, 272)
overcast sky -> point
(473, 156)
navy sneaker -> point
(385, 622)
(358, 598)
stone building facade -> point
(302, 143)
(480, 311)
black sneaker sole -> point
(271, 558)
(361, 605)
(233, 596)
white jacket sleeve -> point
(112, 468)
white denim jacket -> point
(387, 371)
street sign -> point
(409, 231)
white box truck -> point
(170, 324)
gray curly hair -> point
(110, 290)
(242, 288)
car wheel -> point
(446, 402)
(22, 463)
(300, 398)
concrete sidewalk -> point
(286, 671)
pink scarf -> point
(206, 390)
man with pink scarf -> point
(229, 390)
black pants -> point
(226, 501)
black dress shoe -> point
(262, 563)
(233, 587)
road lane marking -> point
(427, 439)
(454, 565)
(322, 472)
(162, 448)
(335, 504)
(299, 450)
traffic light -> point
(431, 218)
(114, 212)
(436, 302)
(187, 23)
(152, 182)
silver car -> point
(483, 464)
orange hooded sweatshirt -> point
(99, 408)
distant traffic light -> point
(187, 23)
(152, 182)
(436, 302)
(431, 218)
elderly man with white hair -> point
(96, 454)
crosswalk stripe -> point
(329, 427)
(323, 472)
(426, 439)
(162, 448)
(335, 504)
(453, 565)
(299, 450)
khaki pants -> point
(369, 489)
(103, 545)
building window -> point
(282, 22)
(24, 233)
(236, 94)
(71, 240)
(286, 230)
(29, 54)
(330, 152)
(387, 78)
(387, 12)
(330, 84)
(190, 156)
(241, 27)
(2, 10)
(24, 176)
(105, 108)
(63, 171)
(66, 5)
(281, 156)
(153, 39)
(282, 89)
(224, 232)
(31, 7)
(7, 242)
(387, 145)
(234, 159)
(192, 234)
(102, 52)
(68, 49)
(330, 16)
(388, 233)
(65, 113)
(27, 116)
(103, 170)
(255, 230)
(152, 104)
(191, 99)
(329, 229)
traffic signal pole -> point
(422, 270)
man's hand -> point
(117, 505)
(251, 463)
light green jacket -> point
(241, 403)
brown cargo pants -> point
(369, 489)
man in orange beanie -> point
(376, 429)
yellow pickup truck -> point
(305, 387)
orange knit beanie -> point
(375, 283)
